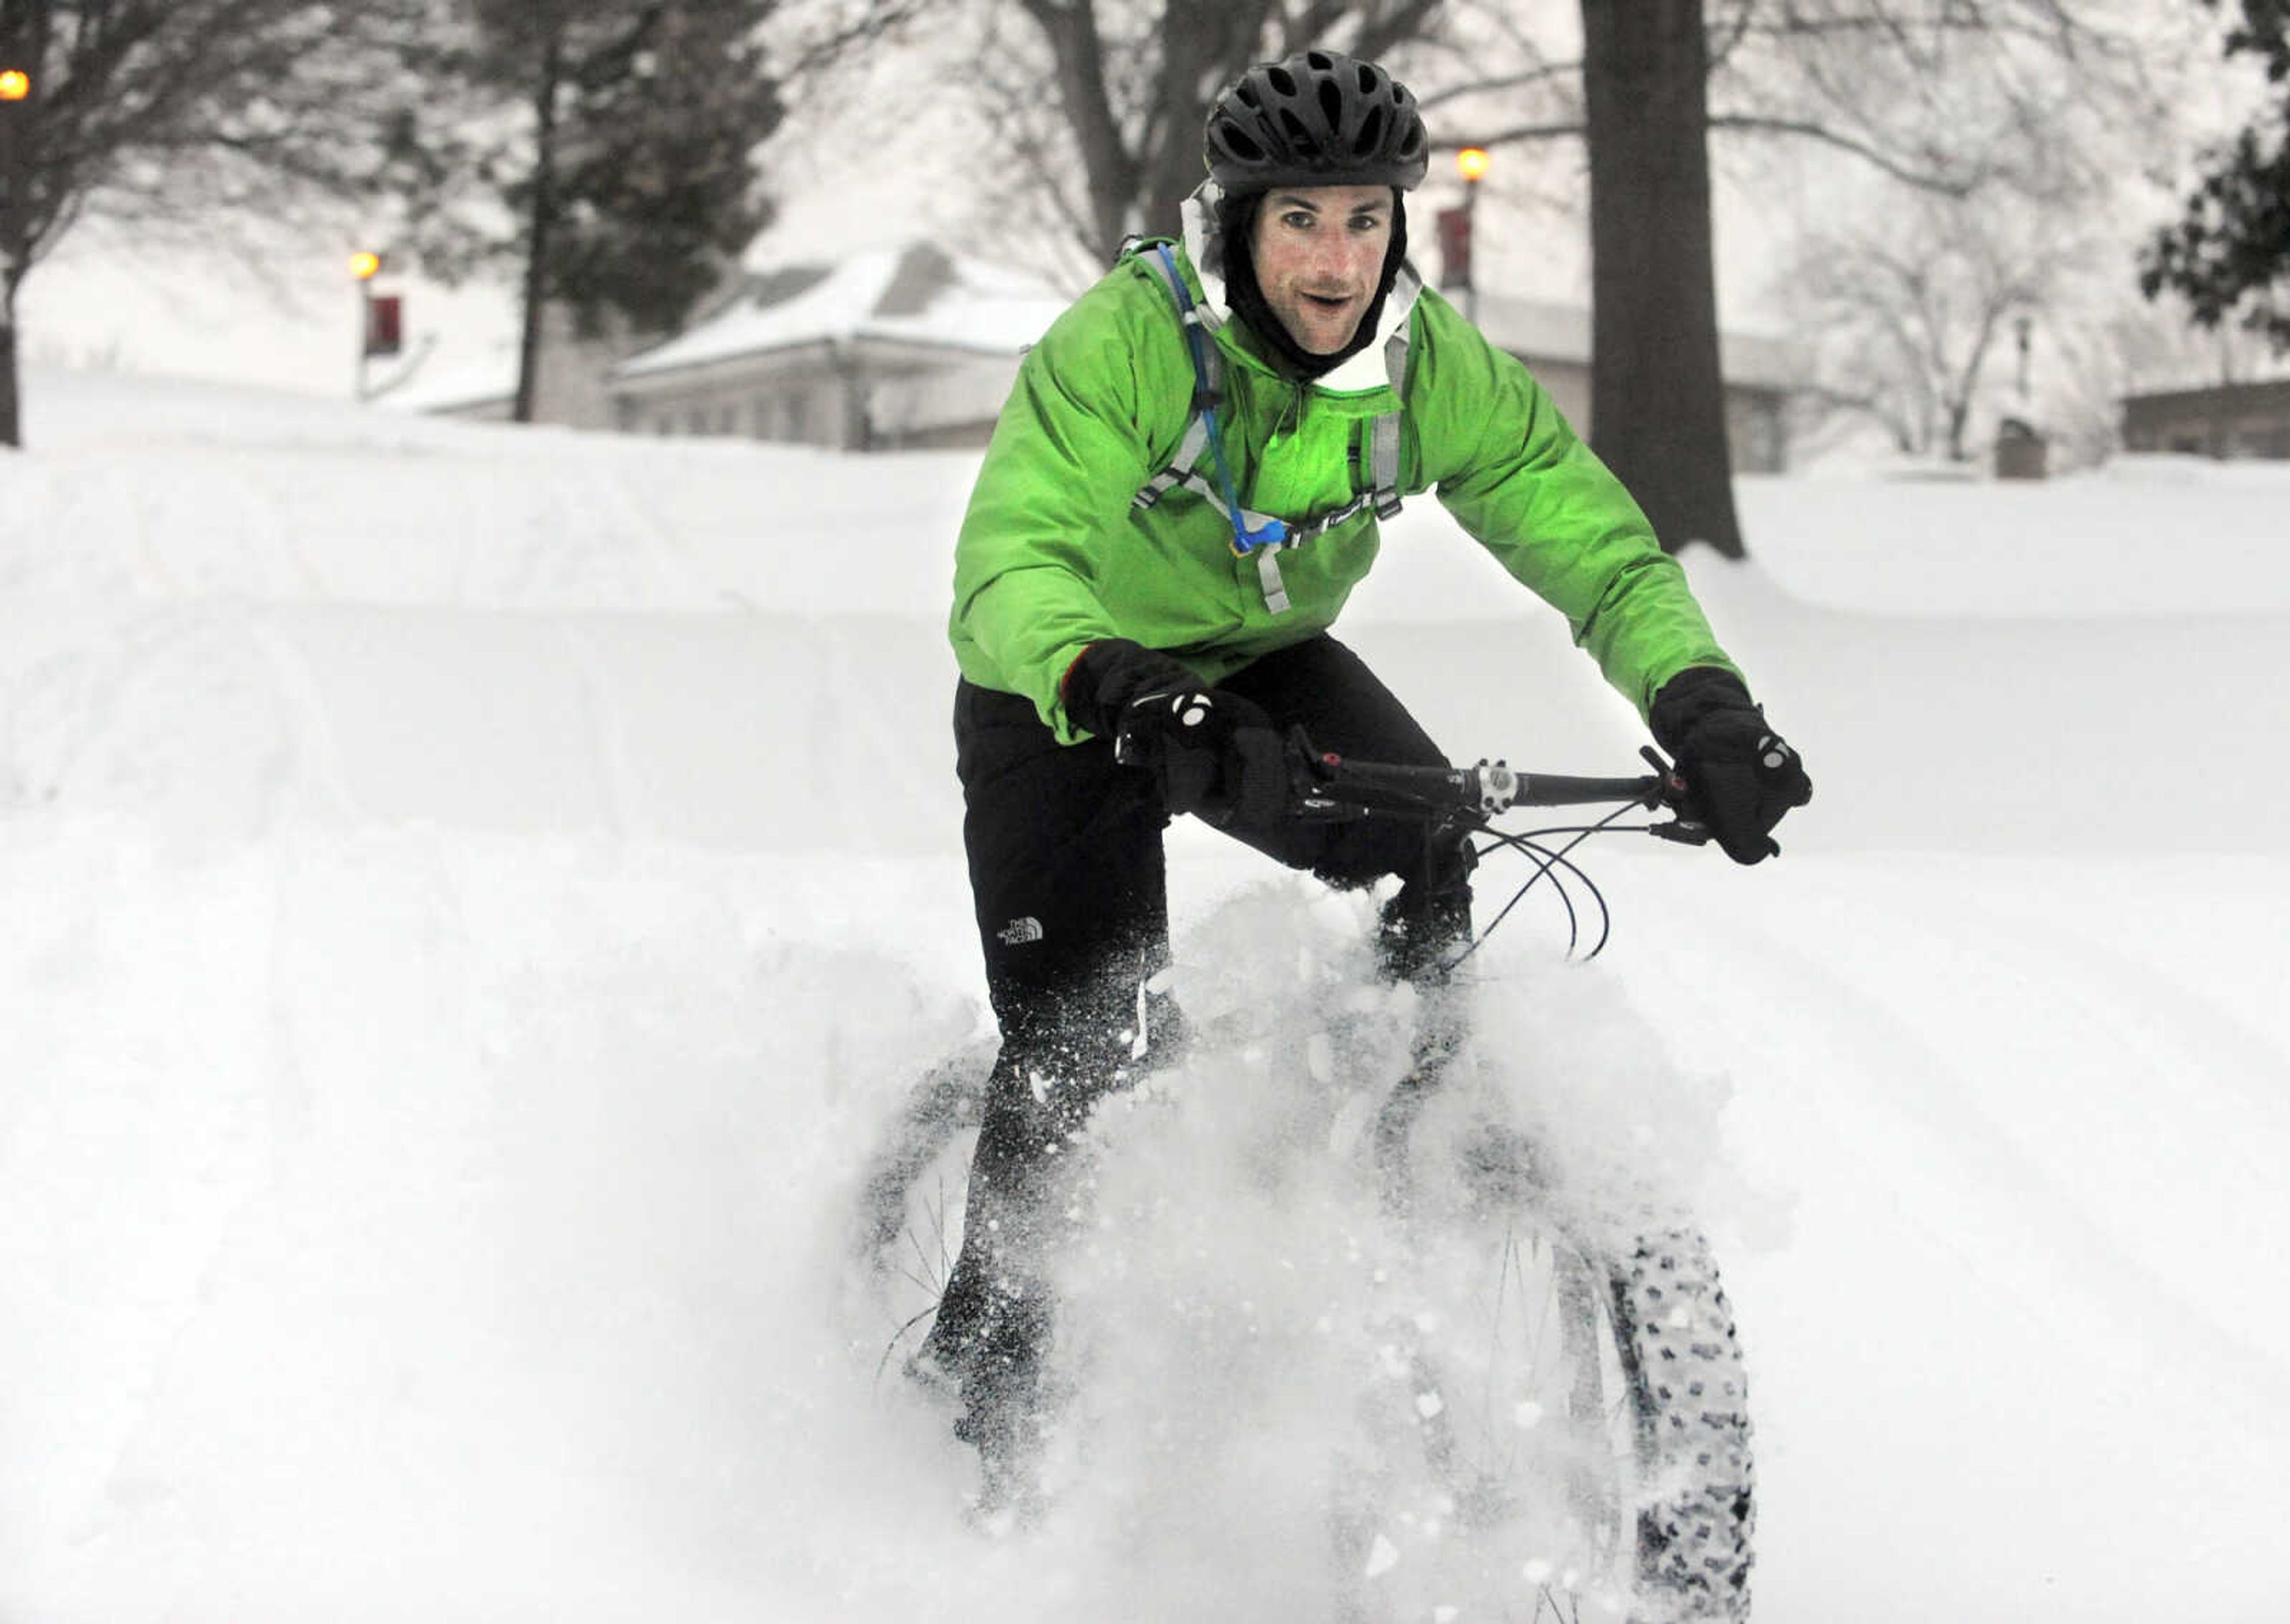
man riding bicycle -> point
(1182, 490)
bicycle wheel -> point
(908, 1229)
(1563, 1436)
(1690, 1395)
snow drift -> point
(474, 896)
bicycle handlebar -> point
(1326, 785)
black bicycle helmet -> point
(1318, 119)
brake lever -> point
(1686, 829)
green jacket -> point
(1052, 556)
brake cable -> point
(1549, 866)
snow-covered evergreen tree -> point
(606, 147)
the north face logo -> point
(1018, 933)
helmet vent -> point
(1331, 103)
(1281, 80)
(1238, 142)
(1371, 134)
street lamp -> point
(377, 318)
(15, 90)
(1456, 227)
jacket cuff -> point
(1081, 688)
(1108, 674)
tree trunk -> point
(543, 217)
(1110, 173)
(1204, 44)
(1657, 395)
(12, 420)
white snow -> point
(473, 895)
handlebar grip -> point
(1556, 789)
(1337, 785)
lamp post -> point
(15, 92)
(1456, 227)
(16, 106)
(364, 266)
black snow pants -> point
(1069, 882)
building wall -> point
(573, 383)
(1756, 427)
(803, 401)
(1568, 385)
(807, 398)
(1756, 431)
(812, 398)
(2232, 420)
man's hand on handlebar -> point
(1742, 777)
(1215, 754)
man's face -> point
(1319, 258)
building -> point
(2225, 421)
(572, 383)
(913, 347)
(886, 350)
(1554, 340)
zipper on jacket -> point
(1291, 420)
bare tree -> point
(1132, 86)
(172, 115)
(1103, 116)
(1913, 302)
(1948, 97)
(1099, 104)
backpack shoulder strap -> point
(1208, 374)
(1384, 433)
(1250, 530)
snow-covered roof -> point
(917, 294)
(1546, 330)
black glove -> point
(1741, 777)
(1216, 755)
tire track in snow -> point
(1886, 1059)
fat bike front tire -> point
(1581, 1437)
(1688, 1396)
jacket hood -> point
(1358, 373)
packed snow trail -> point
(451, 979)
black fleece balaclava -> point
(1236, 228)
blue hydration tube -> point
(1246, 539)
